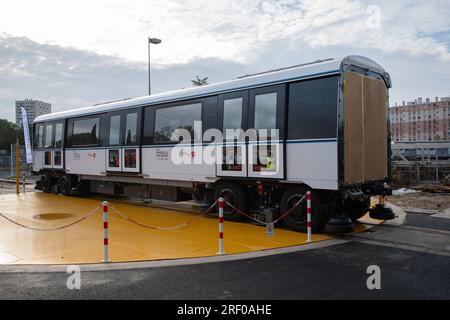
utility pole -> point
(150, 42)
(11, 161)
(17, 167)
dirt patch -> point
(422, 200)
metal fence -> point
(415, 163)
(8, 163)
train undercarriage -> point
(332, 211)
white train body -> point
(126, 144)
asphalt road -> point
(425, 221)
(337, 272)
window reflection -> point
(179, 117)
(85, 132)
(131, 129)
(232, 114)
(114, 130)
(266, 111)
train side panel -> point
(313, 163)
(86, 161)
(158, 164)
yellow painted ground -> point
(83, 242)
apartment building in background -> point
(34, 108)
(421, 120)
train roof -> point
(305, 71)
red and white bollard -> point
(105, 205)
(221, 204)
(308, 215)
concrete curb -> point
(444, 215)
(400, 215)
(168, 263)
(422, 211)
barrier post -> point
(221, 204)
(24, 182)
(17, 168)
(105, 205)
(308, 215)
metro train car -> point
(332, 138)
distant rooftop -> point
(421, 101)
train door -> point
(131, 152)
(266, 147)
(114, 150)
(53, 145)
(123, 152)
(38, 145)
(58, 152)
(233, 113)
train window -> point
(209, 113)
(47, 158)
(85, 132)
(131, 129)
(130, 158)
(57, 158)
(148, 125)
(266, 111)
(48, 136)
(114, 158)
(114, 130)
(58, 135)
(232, 114)
(180, 117)
(313, 109)
(38, 136)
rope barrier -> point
(50, 229)
(105, 205)
(263, 222)
(185, 224)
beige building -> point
(421, 120)
(34, 108)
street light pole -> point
(151, 41)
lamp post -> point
(150, 42)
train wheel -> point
(199, 193)
(297, 219)
(46, 182)
(232, 194)
(65, 184)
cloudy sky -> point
(77, 53)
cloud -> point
(71, 78)
(233, 30)
(74, 54)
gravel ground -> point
(422, 200)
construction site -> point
(421, 170)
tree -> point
(8, 134)
(199, 81)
